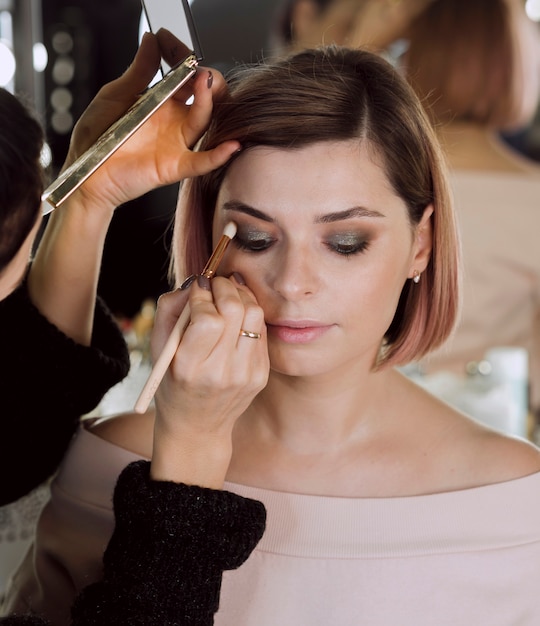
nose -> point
(296, 273)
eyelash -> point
(356, 247)
(347, 250)
(250, 245)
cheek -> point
(375, 293)
(249, 266)
(233, 261)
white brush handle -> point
(162, 363)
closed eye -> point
(253, 240)
(347, 244)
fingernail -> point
(187, 283)
(210, 80)
(203, 282)
(238, 278)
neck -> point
(318, 413)
(470, 146)
(313, 436)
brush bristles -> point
(230, 230)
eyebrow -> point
(240, 207)
(328, 218)
(357, 211)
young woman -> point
(384, 505)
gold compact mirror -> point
(170, 20)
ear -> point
(303, 16)
(423, 242)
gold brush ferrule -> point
(211, 267)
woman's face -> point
(325, 245)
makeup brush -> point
(173, 341)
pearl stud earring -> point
(416, 277)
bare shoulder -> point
(480, 455)
(502, 457)
(132, 431)
(464, 453)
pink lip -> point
(297, 331)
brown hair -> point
(475, 60)
(330, 94)
(21, 174)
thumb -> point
(204, 162)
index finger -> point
(172, 49)
(168, 310)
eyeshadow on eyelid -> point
(348, 237)
(252, 235)
(252, 239)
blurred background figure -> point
(383, 25)
(476, 65)
(373, 24)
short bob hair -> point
(22, 176)
(328, 94)
(475, 61)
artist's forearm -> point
(185, 537)
(64, 275)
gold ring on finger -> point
(250, 334)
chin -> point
(299, 365)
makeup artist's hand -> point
(160, 152)
(64, 275)
(211, 381)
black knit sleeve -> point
(47, 382)
(23, 620)
(165, 560)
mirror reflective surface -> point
(175, 17)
